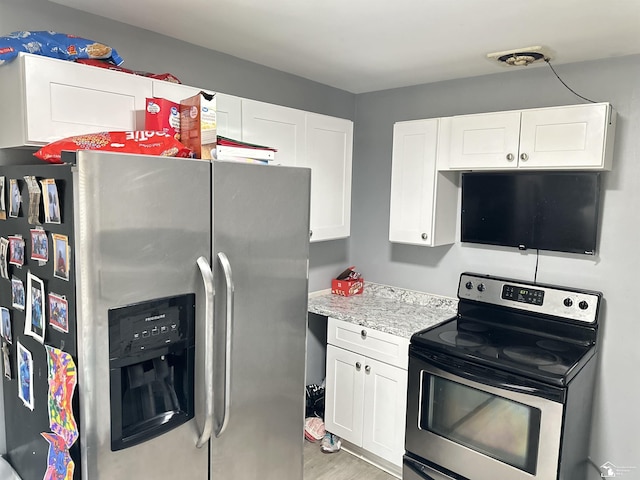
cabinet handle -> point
(358, 365)
(510, 157)
(524, 157)
(363, 334)
(367, 369)
(310, 233)
(424, 236)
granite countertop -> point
(389, 309)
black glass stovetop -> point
(524, 352)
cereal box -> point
(162, 115)
(198, 124)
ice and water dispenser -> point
(151, 363)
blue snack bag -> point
(56, 45)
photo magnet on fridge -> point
(34, 324)
(6, 325)
(34, 200)
(4, 248)
(61, 256)
(17, 293)
(14, 198)
(5, 361)
(3, 205)
(16, 250)
(51, 201)
(58, 312)
(39, 245)
(25, 376)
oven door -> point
(481, 423)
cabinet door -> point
(344, 393)
(229, 116)
(65, 99)
(564, 137)
(485, 141)
(329, 148)
(412, 182)
(173, 91)
(384, 406)
(278, 127)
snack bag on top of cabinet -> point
(55, 45)
(135, 142)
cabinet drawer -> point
(378, 345)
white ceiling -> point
(368, 45)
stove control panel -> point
(524, 295)
(563, 302)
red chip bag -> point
(139, 141)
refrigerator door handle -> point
(226, 268)
(207, 280)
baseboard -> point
(376, 461)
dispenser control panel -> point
(150, 325)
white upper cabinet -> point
(49, 99)
(329, 149)
(174, 92)
(282, 128)
(578, 136)
(569, 137)
(319, 142)
(423, 200)
(229, 116)
(485, 141)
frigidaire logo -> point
(155, 317)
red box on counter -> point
(347, 288)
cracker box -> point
(198, 124)
(162, 115)
(348, 283)
(347, 288)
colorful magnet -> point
(59, 463)
(62, 378)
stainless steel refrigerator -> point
(186, 287)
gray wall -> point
(613, 271)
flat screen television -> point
(555, 211)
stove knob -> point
(469, 285)
(568, 302)
(481, 287)
(583, 305)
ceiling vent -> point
(520, 57)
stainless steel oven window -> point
(495, 426)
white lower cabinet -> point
(365, 399)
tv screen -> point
(555, 211)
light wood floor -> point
(338, 466)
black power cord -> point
(562, 81)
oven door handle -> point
(491, 377)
